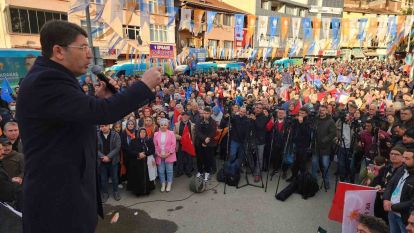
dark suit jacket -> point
(57, 123)
(407, 193)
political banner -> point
(356, 203)
(238, 27)
(211, 15)
(161, 51)
(185, 22)
(273, 21)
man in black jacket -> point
(238, 133)
(205, 130)
(301, 138)
(58, 129)
(399, 194)
(325, 132)
(259, 121)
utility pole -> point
(89, 30)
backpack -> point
(307, 185)
(197, 185)
(231, 172)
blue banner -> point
(335, 28)
(273, 21)
(6, 91)
(211, 15)
(238, 27)
(361, 28)
(199, 53)
(307, 28)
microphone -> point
(96, 70)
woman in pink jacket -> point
(165, 143)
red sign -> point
(161, 51)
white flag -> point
(262, 30)
(326, 22)
(185, 22)
(407, 25)
(356, 203)
(295, 27)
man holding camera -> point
(325, 132)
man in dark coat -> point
(325, 132)
(58, 129)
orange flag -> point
(251, 25)
(316, 28)
(285, 28)
(198, 16)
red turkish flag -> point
(176, 115)
(186, 142)
(337, 207)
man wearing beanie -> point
(399, 194)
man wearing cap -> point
(12, 161)
(184, 160)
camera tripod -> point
(249, 153)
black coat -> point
(407, 193)
(57, 124)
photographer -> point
(325, 132)
(259, 121)
(239, 131)
(344, 138)
(301, 132)
(279, 129)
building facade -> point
(217, 43)
(21, 20)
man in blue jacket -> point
(58, 130)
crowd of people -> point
(357, 114)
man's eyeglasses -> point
(85, 48)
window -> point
(31, 21)
(131, 32)
(137, 4)
(158, 33)
(97, 29)
(302, 12)
(228, 44)
(289, 10)
(216, 20)
(213, 43)
(227, 20)
(156, 6)
(98, 1)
